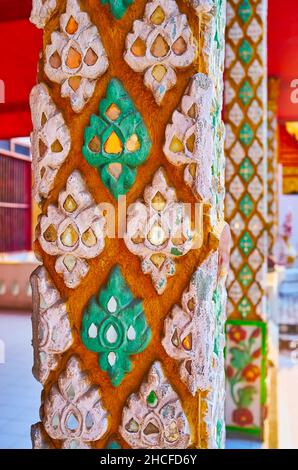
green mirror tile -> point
(114, 325)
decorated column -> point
(273, 171)
(129, 303)
(246, 210)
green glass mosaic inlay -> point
(244, 307)
(245, 276)
(245, 11)
(246, 244)
(246, 134)
(246, 169)
(246, 205)
(246, 93)
(245, 52)
(114, 326)
(117, 141)
(118, 7)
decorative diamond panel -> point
(159, 231)
(237, 224)
(244, 308)
(245, 11)
(237, 153)
(246, 244)
(73, 231)
(160, 44)
(245, 276)
(114, 326)
(254, 30)
(246, 205)
(76, 58)
(273, 92)
(188, 138)
(245, 52)
(52, 334)
(116, 141)
(237, 187)
(236, 115)
(236, 258)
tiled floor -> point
(20, 393)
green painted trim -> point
(263, 389)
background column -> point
(246, 211)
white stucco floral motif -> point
(73, 411)
(189, 138)
(42, 11)
(50, 141)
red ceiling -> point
(20, 43)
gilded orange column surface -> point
(129, 303)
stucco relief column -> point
(128, 331)
(246, 211)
